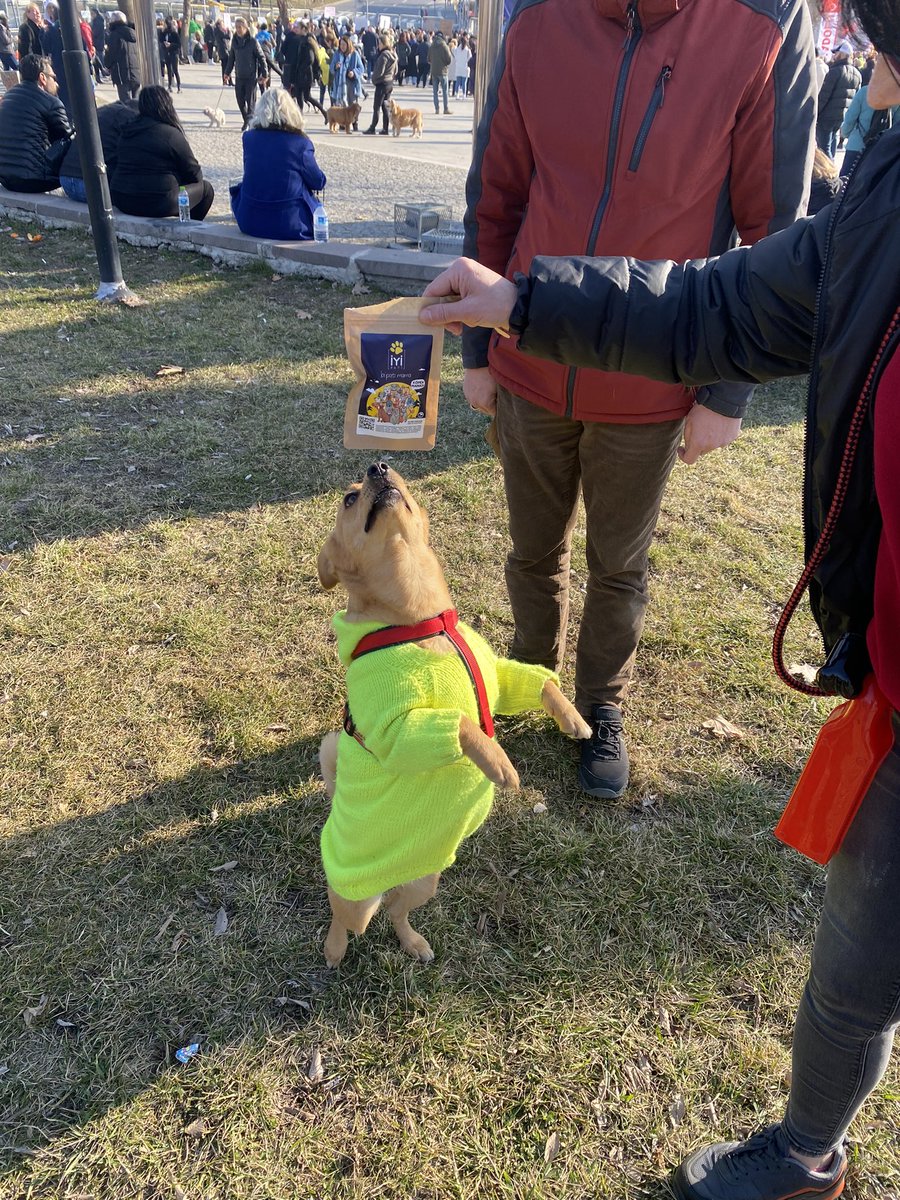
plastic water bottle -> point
(184, 205)
(320, 223)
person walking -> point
(683, 151)
(98, 33)
(246, 67)
(439, 60)
(384, 72)
(839, 87)
(7, 57)
(403, 57)
(222, 42)
(422, 46)
(460, 66)
(209, 39)
(121, 57)
(31, 33)
(170, 49)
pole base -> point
(118, 293)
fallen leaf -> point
(638, 1073)
(539, 808)
(229, 866)
(677, 1110)
(358, 289)
(302, 316)
(34, 437)
(13, 235)
(482, 924)
(277, 278)
(277, 728)
(168, 369)
(805, 671)
(31, 1014)
(221, 923)
(35, 237)
(665, 1021)
(315, 1072)
(551, 1147)
(719, 727)
(281, 1001)
(196, 1128)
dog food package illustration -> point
(394, 403)
(851, 746)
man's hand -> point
(705, 430)
(227, 81)
(486, 299)
(480, 390)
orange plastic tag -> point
(851, 746)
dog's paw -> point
(506, 777)
(416, 946)
(574, 725)
(335, 949)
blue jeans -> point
(851, 1006)
(442, 80)
(74, 188)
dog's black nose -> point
(377, 469)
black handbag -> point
(56, 152)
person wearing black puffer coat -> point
(31, 33)
(838, 88)
(32, 118)
(121, 57)
(246, 66)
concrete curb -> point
(396, 271)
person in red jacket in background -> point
(658, 149)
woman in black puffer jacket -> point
(155, 161)
(121, 57)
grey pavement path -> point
(366, 175)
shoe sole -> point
(603, 793)
(684, 1191)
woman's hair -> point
(156, 103)
(823, 167)
(386, 39)
(277, 109)
(879, 20)
(342, 42)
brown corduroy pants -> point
(622, 472)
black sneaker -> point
(758, 1169)
(368, 132)
(604, 756)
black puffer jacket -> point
(111, 120)
(838, 88)
(245, 59)
(121, 57)
(30, 120)
(818, 295)
(31, 40)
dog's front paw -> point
(506, 777)
(574, 725)
(416, 946)
(335, 948)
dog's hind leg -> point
(328, 751)
(400, 902)
(348, 916)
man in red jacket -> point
(682, 124)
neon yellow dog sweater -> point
(405, 802)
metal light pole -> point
(490, 33)
(147, 42)
(90, 152)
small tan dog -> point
(403, 118)
(342, 116)
(413, 772)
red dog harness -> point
(444, 624)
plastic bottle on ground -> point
(320, 223)
(184, 205)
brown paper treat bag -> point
(394, 403)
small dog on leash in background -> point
(406, 118)
(216, 117)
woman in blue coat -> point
(274, 199)
(347, 70)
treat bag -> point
(394, 403)
(851, 746)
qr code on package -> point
(366, 425)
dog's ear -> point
(328, 576)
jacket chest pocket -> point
(657, 99)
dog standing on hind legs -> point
(413, 771)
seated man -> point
(32, 118)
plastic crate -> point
(443, 241)
(412, 220)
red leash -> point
(444, 624)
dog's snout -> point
(378, 470)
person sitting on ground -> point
(121, 56)
(247, 66)
(826, 183)
(274, 199)
(111, 120)
(32, 119)
(155, 161)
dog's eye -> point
(350, 499)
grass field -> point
(614, 983)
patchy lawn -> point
(620, 977)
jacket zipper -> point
(656, 103)
(632, 37)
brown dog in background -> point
(379, 552)
(342, 116)
(406, 118)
